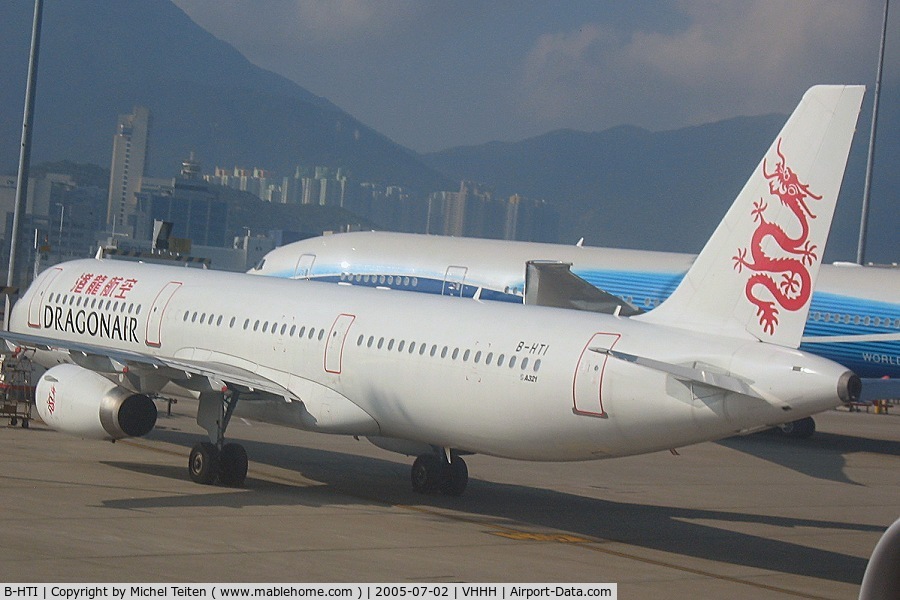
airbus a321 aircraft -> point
(439, 378)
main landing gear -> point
(216, 461)
(802, 428)
(208, 464)
(433, 473)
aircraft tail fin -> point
(756, 273)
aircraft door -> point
(454, 281)
(154, 318)
(334, 346)
(304, 266)
(587, 388)
(37, 300)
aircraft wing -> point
(106, 361)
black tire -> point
(24, 423)
(203, 464)
(426, 474)
(801, 428)
(456, 476)
(13, 421)
(232, 465)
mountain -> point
(623, 187)
(629, 187)
(99, 59)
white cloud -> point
(746, 57)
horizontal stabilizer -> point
(694, 375)
(551, 283)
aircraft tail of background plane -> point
(756, 273)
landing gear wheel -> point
(801, 428)
(203, 464)
(456, 476)
(426, 474)
(232, 465)
(24, 423)
(13, 421)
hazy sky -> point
(435, 74)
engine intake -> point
(80, 402)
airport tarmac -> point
(754, 517)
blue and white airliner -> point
(854, 318)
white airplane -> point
(440, 378)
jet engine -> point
(80, 402)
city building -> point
(187, 201)
(129, 158)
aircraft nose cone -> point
(849, 387)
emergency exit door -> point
(334, 346)
(304, 266)
(587, 389)
(454, 281)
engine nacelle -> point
(82, 403)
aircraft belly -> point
(479, 421)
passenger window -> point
(537, 365)
(466, 356)
(391, 344)
(500, 360)
(230, 323)
(524, 363)
(256, 325)
(433, 350)
(401, 345)
(455, 353)
(380, 343)
(321, 334)
(369, 343)
(302, 331)
(512, 362)
(478, 357)
(312, 332)
(359, 340)
(488, 358)
(422, 349)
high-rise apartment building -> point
(129, 157)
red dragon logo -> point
(51, 399)
(795, 286)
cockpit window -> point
(260, 265)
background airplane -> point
(854, 318)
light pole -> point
(25, 149)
